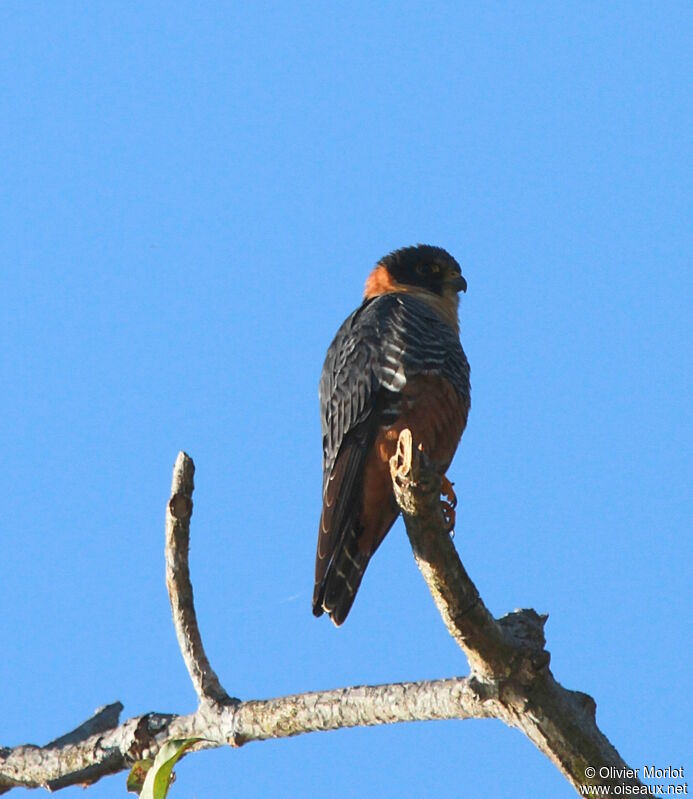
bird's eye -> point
(435, 269)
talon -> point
(447, 490)
(448, 504)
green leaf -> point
(158, 779)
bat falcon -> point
(396, 362)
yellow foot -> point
(448, 504)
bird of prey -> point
(396, 362)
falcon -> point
(395, 363)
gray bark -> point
(509, 680)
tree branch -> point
(99, 747)
(506, 655)
(104, 718)
(180, 592)
(510, 679)
(88, 760)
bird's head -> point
(413, 269)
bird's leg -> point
(447, 490)
(448, 504)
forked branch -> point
(510, 678)
(506, 655)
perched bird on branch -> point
(395, 363)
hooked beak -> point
(459, 283)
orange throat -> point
(380, 281)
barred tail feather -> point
(336, 592)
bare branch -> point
(86, 761)
(417, 489)
(104, 718)
(510, 677)
(506, 655)
(362, 706)
(180, 592)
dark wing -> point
(386, 341)
(348, 388)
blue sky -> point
(192, 195)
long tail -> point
(336, 592)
